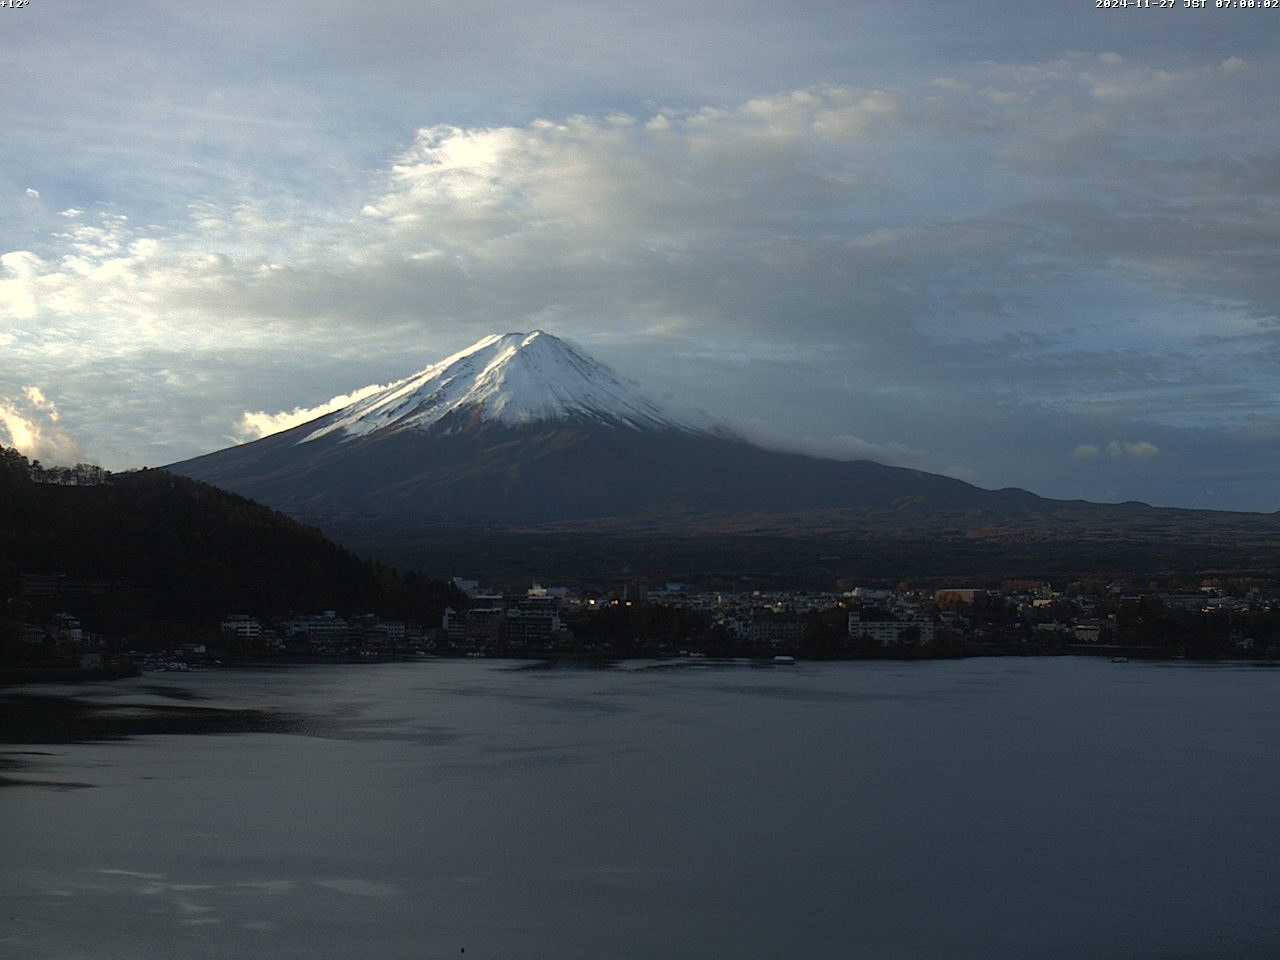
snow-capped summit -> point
(512, 379)
(522, 430)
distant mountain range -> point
(523, 455)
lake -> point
(982, 808)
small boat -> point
(1119, 659)
(784, 660)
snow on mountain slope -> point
(512, 379)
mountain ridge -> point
(511, 379)
(503, 465)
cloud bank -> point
(955, 273)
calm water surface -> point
(995, 808)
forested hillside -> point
(145, 552)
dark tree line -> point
(151, 551)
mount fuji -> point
(527, 428)
(509, 380)
(523, 453)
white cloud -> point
(37, 399)
(18, 289)
(585, 182)
(1139, 449)
(1142, 449)
(841, 447)
(30, 425)
(253, 425)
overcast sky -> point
(1025, 245)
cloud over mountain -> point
(963, 267)
(29, 423)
